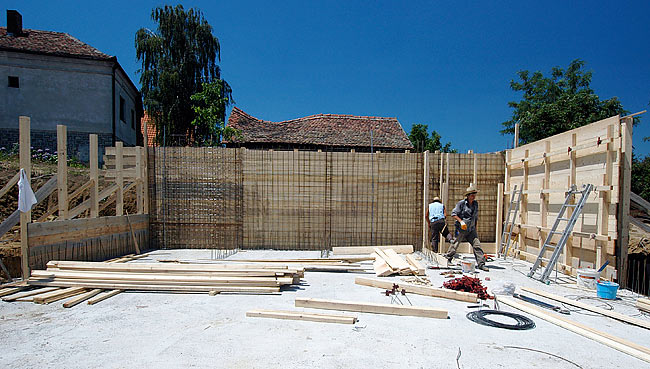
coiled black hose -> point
(523, 323)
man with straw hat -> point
(436, 215)
(466, 215)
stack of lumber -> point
(97, 281)
(643, 305)
(388, 262)
(350, 264)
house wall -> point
(58, 90)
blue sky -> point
(445, 64)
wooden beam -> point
(420, 290)
(368, 307)
(364, 250)
(57, 295)
(609, 313)
(104, 296)
(119, 179)
(301, 315)
(498, 231)
(415, 264)
(425, 200)
(635, 199)
(11, 290)
(94, 177)
(81, 298)
(139, 181)
(395, 261)
(516, 141)
(617, 343)
(151, 287)
(35, 292)
(10, 184)
(25, 217)
(62, 169)
(623, 221)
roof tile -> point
(50, 43)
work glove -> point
(463, 226)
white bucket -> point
(587, 278)
(468, 266)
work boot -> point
(483, 268)
(449, 258)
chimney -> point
(14, 22)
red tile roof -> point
(151, 130)
(322, 130)
(50, 43)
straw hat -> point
(436, 199)
(470, 190)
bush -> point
(641, 177)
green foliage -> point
(210, 110)
(177, 60)
(38, 156)
(555, 104)
(641, 177)
(421, 141)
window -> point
(132, 119)
(122, 110)
(14, 82)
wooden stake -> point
(62, 169)
(25, 217)
(94, 176)
(119, 179)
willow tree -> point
(178, 58)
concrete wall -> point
(58, 90)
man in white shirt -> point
(436, 214)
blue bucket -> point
(606, 290)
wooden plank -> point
(617, 343)
(119, 179)
(498, 230)
(634, 198)
(35, 292)
(93, 199)
(639, 224)
(57, 295)
(167, 268)
(150, 287)
(395, 261)
(81, 298)
(425, 199)
(420, 290)
(582, 305)
(10, 184)
(623, 221)
(62, 169)
(139, 181)
(11, 290)
(25, 217)
(362, 250)
(104, 296)
(419, 268)
(381, 268)
(368, 307)
(301, 315)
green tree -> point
(177, 59)
(421, 141)
(209, 109)
(555, 104)
(641, 177)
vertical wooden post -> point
(568, 249)
(499, 224)
(94, 177)
(445, 199)
(604, 199)
(523, 214)
(625, 168)
(119, 179)
(425, 201)
(139, 179)
(516, 142)
(62, 169)
(544, 197)
(25, 217)
(442, 163)
(447, 176)
(145, 169)
(475, 177)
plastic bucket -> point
(606, 290)
(587, 278)
(468, 266)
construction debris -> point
(388, 262)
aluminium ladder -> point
(508, 225)
(571, 221)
